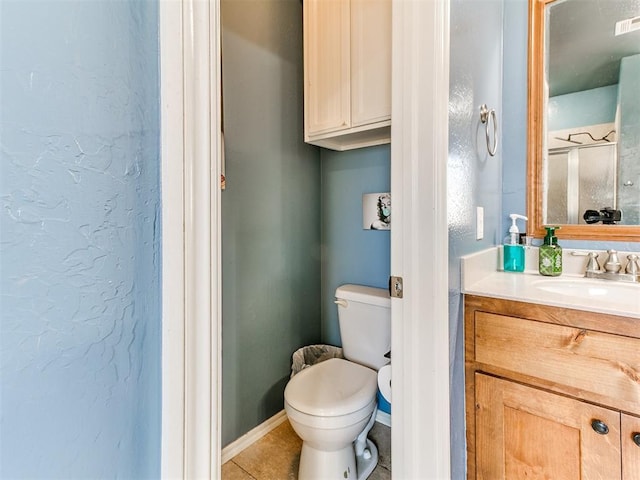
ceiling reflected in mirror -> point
(585, 51)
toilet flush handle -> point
(341, 302)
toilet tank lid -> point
(362, 294)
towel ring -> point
(487, 117)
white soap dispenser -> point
(513, 252)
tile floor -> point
(276, 456)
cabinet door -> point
(326, 26)
(522, 432)
(630, 447)
(370, 61)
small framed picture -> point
(376, 211)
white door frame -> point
(419, 240)
(191, 331)
(191, 300)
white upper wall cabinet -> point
(347, 73)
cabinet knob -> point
(636, 438)
(600, 427)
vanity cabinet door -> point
(630, 447)
(523, 432)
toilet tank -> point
(364, 314)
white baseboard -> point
(383, 418)
(237, 446)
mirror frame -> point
(535, 132)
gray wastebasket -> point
(311, 354)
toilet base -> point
(338, 464)
(365, 466)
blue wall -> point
(80, 247)
(514, 124)
(270, 211)
(473, 177)
(589, 107)
(351, 254)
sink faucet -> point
(632, 265)
(612, 264)
(612, 267)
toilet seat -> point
(331, 423)
(333, 388)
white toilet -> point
(332, 405)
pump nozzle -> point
(514, 226)
(550, 238)
(513, 229)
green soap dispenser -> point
(550, 254)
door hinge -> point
(395, 287)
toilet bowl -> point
(330, 405)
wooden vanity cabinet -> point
(347, 73)
(630, 446)
(524, 432)
(550, 392)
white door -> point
(419, 240)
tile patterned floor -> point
(276, 456)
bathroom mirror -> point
(584, 118)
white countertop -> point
(480, 276)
